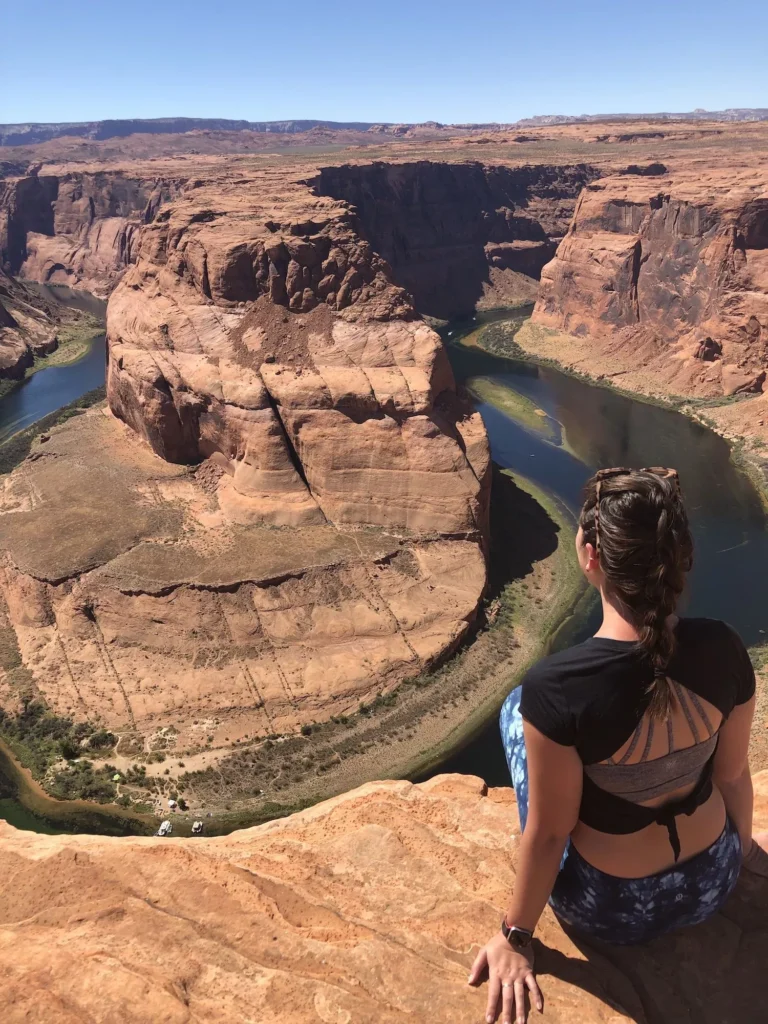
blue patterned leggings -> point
(626, 911)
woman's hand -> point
(510, 973)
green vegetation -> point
(499, 338)
(518, 407)
(40, 740)
(74, 342)
(81, 781)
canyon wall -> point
(368, 908)
(26, 330)
(461, 235)
(666, 277)
(76, 229)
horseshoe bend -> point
(274, 561)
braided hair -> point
(645, 548)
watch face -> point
(517, 937)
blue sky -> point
(403, 60)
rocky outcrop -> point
(290, 518)
(368, 908)
(75, 229)
(461, 235)
(272, 340)
(668, 276)
(29, 327)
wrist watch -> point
(518, 938)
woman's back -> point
(595, 697)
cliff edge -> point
(366, 908)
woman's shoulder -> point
(707, 634)
(717, 659)
(568, 665)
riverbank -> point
(74, 340)
(535, 585)
(17, 447)
(576, 356)
(25, 803)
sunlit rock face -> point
(369, 907)
(287, 513)
(672, 270)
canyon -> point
(667, 276)
(286, 513)
(280, 517)
(283, 513)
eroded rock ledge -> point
(366, 908)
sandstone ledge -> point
(365, 908)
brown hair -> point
(636, 520)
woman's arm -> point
(555, 776)
(554, 796)
(731, 769)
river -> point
(587, 427)
(49, 389)
(596, 427)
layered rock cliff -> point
(76, 229)
(461, 235)
(26, 330)
(286, 518)
(368, 908)
(665, 277)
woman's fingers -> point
(520, 1002)
(492, 1007)
(536, 996)
(481, 962)
(507, 1002)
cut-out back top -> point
(594, 696)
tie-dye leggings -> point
(626, 910)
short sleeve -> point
(743, 672)
(544, 705)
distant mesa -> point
(32, 133)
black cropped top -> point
(593, 697)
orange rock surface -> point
(668, 274)
(368, 908)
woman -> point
(628, 752)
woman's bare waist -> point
(647, 851)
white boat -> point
(165, 829)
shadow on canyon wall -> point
(457, 235)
